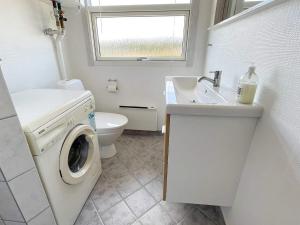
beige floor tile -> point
(89, 215)
(120, 214)
(155, 188)
(157, 216)
(140, 202)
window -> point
(135, 32)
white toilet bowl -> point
(109, 126)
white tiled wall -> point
(28, 188)
(9, 209)
(269, 191)
(5, 104)
(22, 197)
(12, 140)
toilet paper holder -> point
(112, 86)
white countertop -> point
(218, 102)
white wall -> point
(139, 85)
(269, 191)
(28, 55)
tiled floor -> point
(130, 190)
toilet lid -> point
(109, 120)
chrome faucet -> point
(217, 78)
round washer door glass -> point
(79, 150)
(78, 153)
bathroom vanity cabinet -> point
(204, 158)
(206, 145)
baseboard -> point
(142, 132)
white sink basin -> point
(188, 91)
(185, 95)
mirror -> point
(228, 8)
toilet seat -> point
(108, 122)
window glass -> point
(141, 36)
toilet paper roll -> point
(112, 87)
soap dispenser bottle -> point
(247, 86)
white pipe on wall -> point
(60, 56)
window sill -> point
(141, 63)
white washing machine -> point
(60, 129)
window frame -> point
(93, 13)
(250, 4)
(242, 5)
(98, 56)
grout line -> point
(20, 174)
(206, 216)
(95, 207)
(136, 217)
(150, 192)
(123, 199)
(144, 187)
(157, 203)
(4, 179)
(39, 213)
(113, 205)
(13, 221)
(91, 197)
(8, 117)
(12, 194)
(130, 172)
(109, 207)
(166, 211)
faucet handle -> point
(217, 73)
(217, 78)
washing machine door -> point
(78, 153)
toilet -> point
(109, 126)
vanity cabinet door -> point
(204, 158)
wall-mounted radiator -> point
(140, 117)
